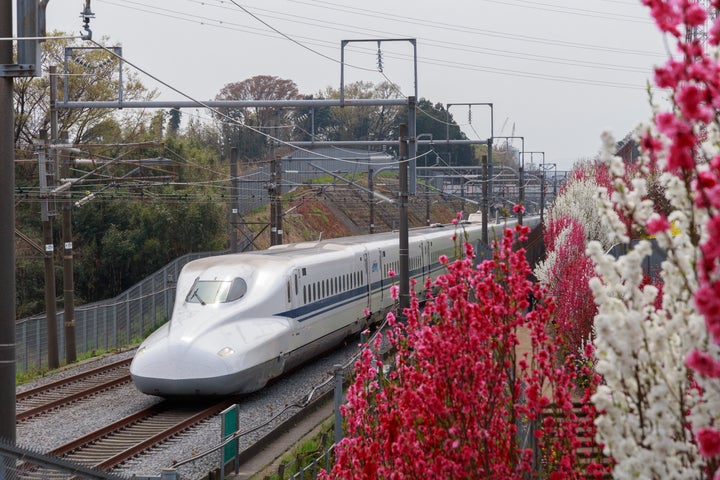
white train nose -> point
(176, 370)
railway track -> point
(126, 438)
(47, 397)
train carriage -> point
(240, 320)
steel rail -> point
(47, 397)
(122, 440)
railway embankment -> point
(314, 212)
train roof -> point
(330, 247)
(344, 242)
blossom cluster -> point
(461, 400)
(566, 269)
(659, 356)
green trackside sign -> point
(229, 425)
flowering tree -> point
(660, 362)
(461, 401)
(566, 270)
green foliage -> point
(235, 121)
(174, 117)
(30, 94)
(432, 118)
(360, 122)
(322, 179)
(30, 286)
(124, 242)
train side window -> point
(296, 284)
(304, 293)
(289, 292)
(322, 289)
(313, 293)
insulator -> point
(379, 58)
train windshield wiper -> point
(196, 295)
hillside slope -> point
(314, 212)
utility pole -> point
(404, 247)
(68, 279)
(278, 202)
(275, 203)
(427, 203)
(484, 204)
(233, 210)
(47, 176)
(371, 198)
(7, 236)
(30, 22)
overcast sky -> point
(558, 72)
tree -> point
(660, 363)
(174, 117)
(571, 223)
(362, 122)
(93, 76)
(124, 234)
(434, 119)
(246, 127)
(123, 242)
(458, 392)
(312, 123)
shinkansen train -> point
(242, 319)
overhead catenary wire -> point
(444, 26)
(465, 65)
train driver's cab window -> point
(216, 291)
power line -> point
(440, 44)
(465, 29)
(570, 10)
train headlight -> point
(140, 351)
(226, 352)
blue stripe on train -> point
(339, 300)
